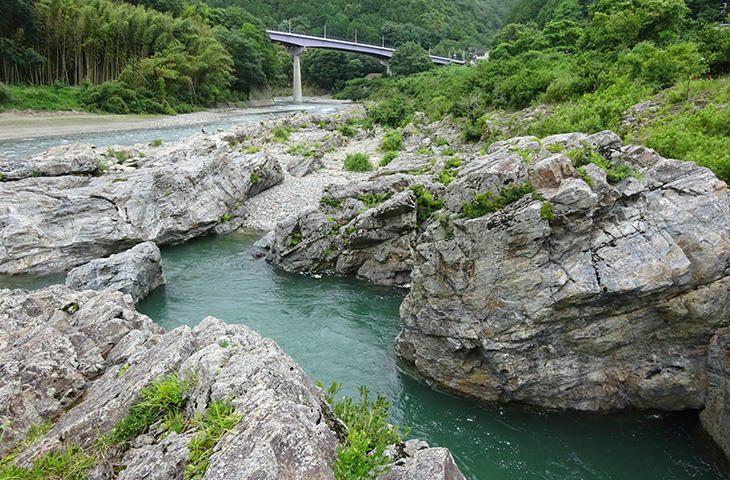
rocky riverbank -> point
(74, 364)
(569, 272)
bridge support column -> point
(386, 63)
(297, 81)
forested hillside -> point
(164, 56)
(581, 66)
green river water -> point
(341, 329)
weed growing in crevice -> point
(368, 434)
(220, 418)
(371, 201)
(426, 204)
(488, 203)
(580, 157)
(329, 201)
(163, 398)
(388, 157)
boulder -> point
(428, 464)
(609, 305)
(179, 191)
(136, 271)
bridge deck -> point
(310, 41)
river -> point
(341, 329)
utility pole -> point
(290, 25)
(325, 29)
(356, 35)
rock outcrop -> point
(598, 292)
(136, 272)
(75, 159)
(609, 305)
(365, 229)
(81, 359)
(174, 193)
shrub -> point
(347, 131)
(388, 157)
(281, 135)
(487, 202)
(368, 434)
(4, 94)
(395, 112)
(393, 140)
(358, 162)
(426, 204)
(546, 211)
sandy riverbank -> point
(15, 124)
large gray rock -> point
(136, 272)
(425, 464)
(82, 358)
(178, 192)
(78, 158)
(610, 305)
(347, 237)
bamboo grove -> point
(129, 57)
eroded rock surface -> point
(170, 195)
(82, 358)
(609, 305)
(365, 229)
(136, 271)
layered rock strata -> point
(609, 305)
(599, 292)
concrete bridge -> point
(297, 43)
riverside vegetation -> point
(167, 56)
(652, 71)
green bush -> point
(4, 94)
(281, 135)
(388, 157)
(163, 398)
(358, 162)
(395, 112)
(487, 202)
(368, 434)
(393, 140)
(347, 131)
(426, 204)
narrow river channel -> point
(341, 329)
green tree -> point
(410, 58)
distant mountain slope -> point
(442, 25)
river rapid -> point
(342, 330)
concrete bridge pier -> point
(297, 82)
(386, 63)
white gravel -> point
(282, 201)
